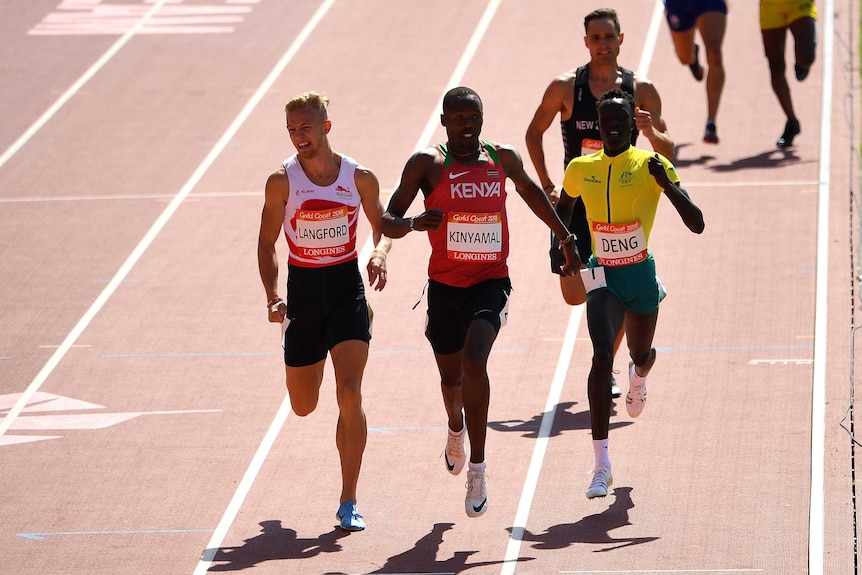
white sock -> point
(457, 433)
(600, 449)
(634, 379)
(477, 466)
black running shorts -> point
(452, 309)
(325, 306)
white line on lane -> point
(73, 89)
(816, 517)
(513, 549)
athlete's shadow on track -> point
(680, 162)
(774, 158)
(593, 529)
(273, 544)
(564, 420)
(423, 557)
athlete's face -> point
(603, 41)
(463, 122)
(615, 125)
(307, 128)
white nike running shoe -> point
(602, 480)
(455, 456)
(476, 502)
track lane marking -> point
(816, 508)
(513, 549)
(79, 83)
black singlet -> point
(584, 122)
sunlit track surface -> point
(142, 423)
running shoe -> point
(349, 517)
(636, 397)
(615, 389)
(801, 73)
(791, 130)
(696, 68)
(455, 455)
(476, 501)
(602, 480)
(709, 134)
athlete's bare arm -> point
(421, 172)
(691, 215)
(271, 220)
(369, 192)
(648, 117)
(538, 202)
(557, 99)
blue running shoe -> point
(349, 517)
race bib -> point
(322, 232)
(619, 244)
(589, 146)
(474, 236)
(593, 278)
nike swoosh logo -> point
(478, 508)
(449, 466)
(454, 175)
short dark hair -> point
(599, 13)
(459, 93)
(614, 94)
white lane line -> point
(513, 549)
(281, 416)
(79, 83)
(651, 38)
(454, 80)
(816, 514)
(247, 481)
(244, 486)
(163, 219)
(383, 192)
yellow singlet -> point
(620, 191)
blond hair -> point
(313, 100)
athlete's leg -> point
(572, 288)
(303, 386)
(804, 32)
(640, 330)
(349, 359)
(683, 45)
(774, 45)
(451, 375)
(711, 26)
(475, 388)
(604, 319)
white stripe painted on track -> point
(258, 194)
(160, 223)
(281, 416)
(79, 83)
(816, 512)
(455, 79)
(651, 38)
(513, 549)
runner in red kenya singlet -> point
(463, 182)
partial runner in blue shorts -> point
(709, 18)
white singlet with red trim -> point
(320, 221)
